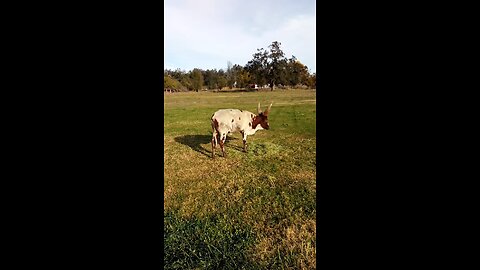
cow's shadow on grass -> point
(202, 143)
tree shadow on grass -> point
(196, 143)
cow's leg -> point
(244, 142)
(214, 140)
(222, 144)
(213, 146)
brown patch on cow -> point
(256, 121)
(215, 124)
(260, 119)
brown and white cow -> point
(226, 121)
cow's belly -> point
(235, 128)
(250, 131)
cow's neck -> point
(255, 121)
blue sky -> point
(207, 33)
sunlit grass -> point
(252, 210)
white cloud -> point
(207, 34)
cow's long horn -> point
(258, 109)
(268, 109)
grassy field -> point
(252, 210)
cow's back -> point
(232, 119)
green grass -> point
(208, 243)
(252, 210)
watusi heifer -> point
(226, 121)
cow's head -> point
(263, 116)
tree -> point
(172, 84)
(187, 82)
(257, 67)
(221, 79)
(277, 64)
(210, 78)
(267, 66)
(176, 74)
(197, 79)
(312, 81)
(297, 73)
(240, 75)
(230, 75)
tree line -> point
(268, 68)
